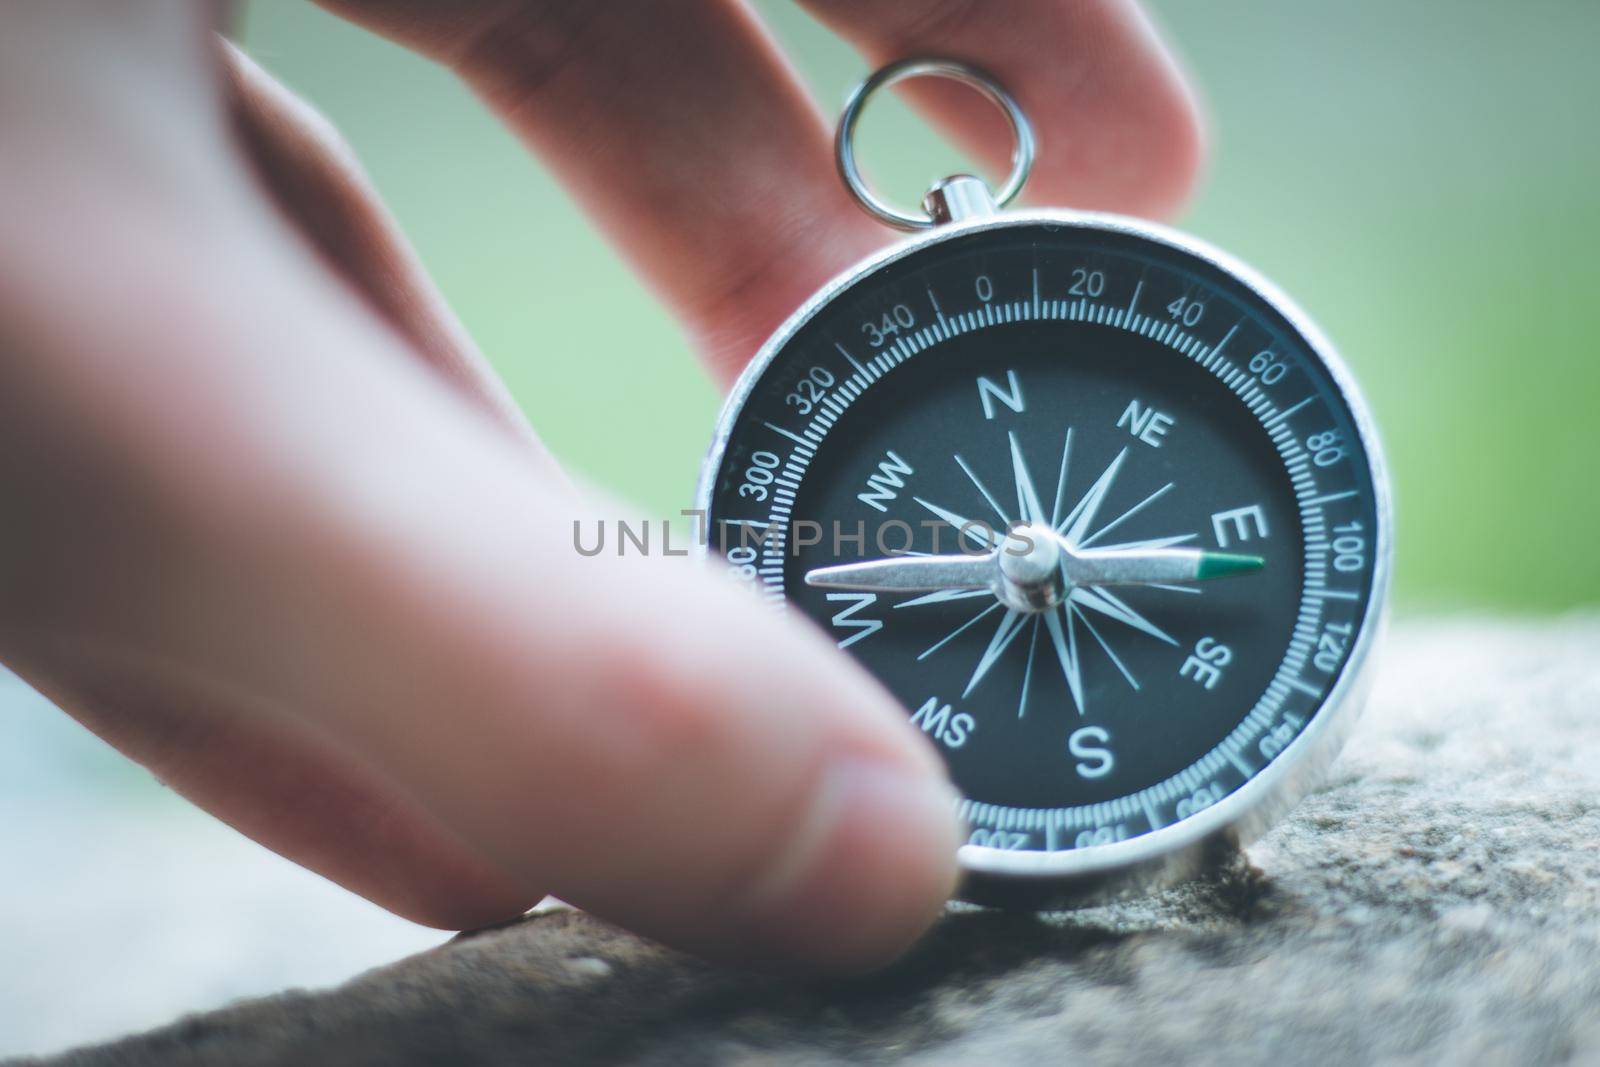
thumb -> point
(636, 735)
(340, 543)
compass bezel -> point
(1187, 847)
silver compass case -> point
(1014, 857)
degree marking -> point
(1216, 350)
(790, 434)
(1304, 687)
(938, 311)
(1286, 412)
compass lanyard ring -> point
(958, 196)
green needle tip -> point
(1221, 564)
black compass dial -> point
(1088, 504)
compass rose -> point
(1036, 570)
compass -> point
(1092, 499)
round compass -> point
(1096, 504)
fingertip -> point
(1118, 125)
(868, 871)
(461, 893)
(1179, 132)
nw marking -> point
(882, 485)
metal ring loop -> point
(956, 70)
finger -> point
(113, 143)
(315, 178)
(1118, 127)
(633, 735)
(680, 127)
(276, 781)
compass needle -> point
(1152, 566)
(1090, 703)
(906, 574)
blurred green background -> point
(1421, 176)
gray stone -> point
(1437, 902)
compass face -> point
(1088, 503)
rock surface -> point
(1437, 902)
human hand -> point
(275, 531)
